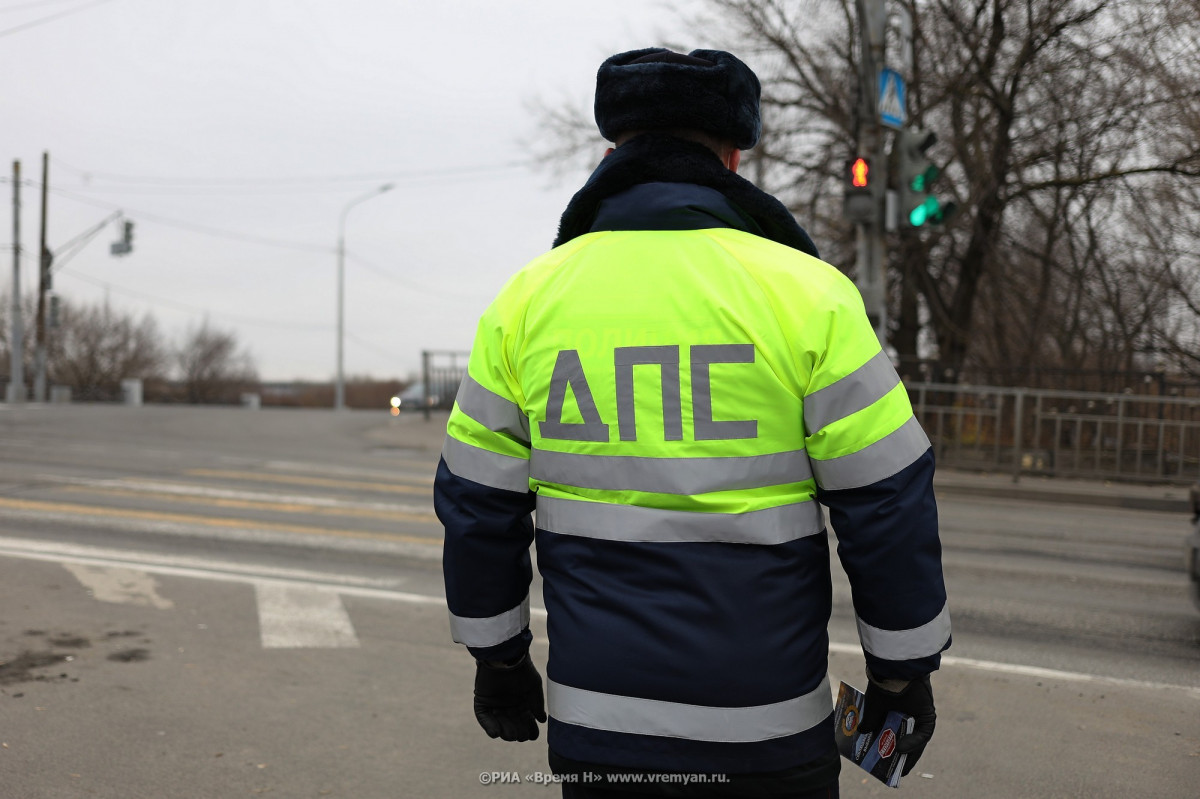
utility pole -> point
(339, 389)
(871, 253)
(44, 261)
(16, 350)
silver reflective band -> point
(860, 389)
(669, 475)
(694, 722)
(484, 467)
(492, 411)
(490, 631)
(879, 461)
(923, 641)
(612, 522)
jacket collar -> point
(655, 158)
(669, 206)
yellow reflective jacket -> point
(677, 404)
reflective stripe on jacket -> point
(676, 404)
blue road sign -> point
(891, 99)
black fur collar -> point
(654, 157)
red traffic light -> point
(860, 171)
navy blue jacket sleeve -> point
(888, 544)
(486, 564)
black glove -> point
(508, 700)
(915, 700)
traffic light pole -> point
(16, 349)
(871, 252)
(44, 260)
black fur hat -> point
(656, 89)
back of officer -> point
(673, 388)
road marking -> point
(119, 585)
(1037, 671)
(37, 549)
(346, 510)
(90, 512)
(220, 571)
(348, 585)
(209, 492)
(260, 477)
(302, 617)
(424, 478)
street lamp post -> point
(339, 397)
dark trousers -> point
(574, 790)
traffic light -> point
(858, 203)
(915, 175)
(125, 245)
(860, 173)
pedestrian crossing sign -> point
(891, 99)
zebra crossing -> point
(278, 504)
(296, 608)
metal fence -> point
(441, 372)
(1018, 430)
(1061, 433)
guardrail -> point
(441, 373)
(1019, 430)
(1061, 433)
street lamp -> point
(339, 398)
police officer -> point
(675, 388)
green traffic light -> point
(923, 181)
(925, 211)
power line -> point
(261, 240)
(183, 306)
(373, 347)
(408, 284)
(50, 18)
(249, 238)
(237, 319)
(289, 183)
(35, 4)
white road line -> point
(424, 476)
(207, 492)
(302, 617)
(119, 585)
(432, 551)
(347, 585)
(194, 567)
(1018, 670)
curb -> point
(413, 433)
(1065, 496)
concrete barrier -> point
(131, 392)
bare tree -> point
(1069, 129)
(6, 330)
(213, 367)
(1056, 121)
(96, 347)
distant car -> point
(413, 399)
(1193, 545)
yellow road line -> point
(250, 504)
(260, 477)
(208, 521)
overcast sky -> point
(234, 133)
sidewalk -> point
(1107, 493)
(411, 431)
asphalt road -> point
(224, 602)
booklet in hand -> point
(873, 752)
